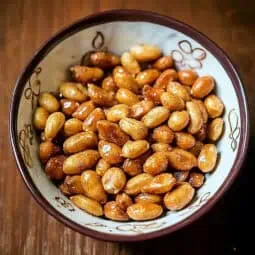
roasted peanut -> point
(215, 129)
(164, 78)
(138, 110)
(184, 140)
(202, 86)
(195, 150)
(163, 63)
(196, 120)
(152, 94)
(156, 163)
(161, 147)
(130, 63)
(86, 74)
(148, 198)
(202, 133)
(79, 142)
(90, 123)
(181, 160)
(82, 112)
(110, 152)
(187, 77)
(102, 166)
(113, 211)
(123, 200)
(180, 197)
(145, 52)
(178, 120)
(214, 106)
(114, 180)
(144, 211)
(72, 127)
(134, 149)
(156, 116)
(135, 128)
(54, 167)
(81, 161)
(136, 183)
(163, 134)
(117, 112)
(202, 109)
(49, 102)
(72, 185)
(196, 180)
(40, 118)
(104, 59)
(53, 125)
(88, 205)
(108, 84)
(181, 176)
(178, 90)
(92, 186)
(172, 102)
(188, 89)
(126, 96)
(47, 150)
(68, 106)
(147, 76)
(207, 158)
(71, 91)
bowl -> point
(117, 31)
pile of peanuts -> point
(130, 137)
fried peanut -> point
(152, 94)
(68, 106)
(156, 163)
(163, 134)
(202, 133)
(184, 140)
(90, 123)
(172, 102)
(72, 185)
(108, 84)
(187, 77)
(139, 109)
(145, 52)
(130, 63)
(114, 212)
(163, 63)
(147, 76)
(196, 180)
(148, 198)
(54, 167)
(215, 129)
(214, 106)
(177, 89)
(40, 118)
(202, 86)
(161, 147)
(104, 59)
(53, 125)
(47, 150)
(207, 158)
(196, 120)
(164, 78)
(178, 120)
(102, 166)
(82, 112)
(71, 91)
(49, 102)
(181, 176)
(126, 96)
(156, 116)
(202, 109)
(117, 112)
(195, 150)
(134, 149)
(72, 127)
(123, 200)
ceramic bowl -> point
(118, 30)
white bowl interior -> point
(119, 37)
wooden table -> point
(24, 227)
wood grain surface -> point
(24, 227)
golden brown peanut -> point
(160, 184)
(196, 120)
(110, 152)
(54, 167)
(124, 79)
(156, 116)
(172, 102)
(92, 186)
(164, 78)
(178, 120)
(130, 63)
(215, 129)
(196, 180)
(134, 149)
(147, 76)
(207, 158)
(47, 150)
(104, 59)
(152, 94)
(102, 166)
(181, 176)
(111, 132)
(144, 211)
(123, 200)
(188, 89)
(202, 133)
(161, 147)
(156, 163)
(82, 112)
(145, 52)
(68, 106)
(48, 101)
(117, 112)
(114, 180)
(101, 96)
(40, 118)
(114, 212)
(139, 109)
(187, 77)
(148, 198)
(177, 89)
(135, 128)
(90, 123)
(70, 90)
(126, 96)
(80, 142)
(136, 183)
(195, 150)
(180, 197)
(214, 106)
(53, 125)
(72, 127)
(81, 161)
(88, 205)
(163, 63)
(202, 86)
(180, 159)
(72, 185)
(108, 84)
(184, 140)
(202, 109)
(86, 74)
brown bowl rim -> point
(130, 15)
